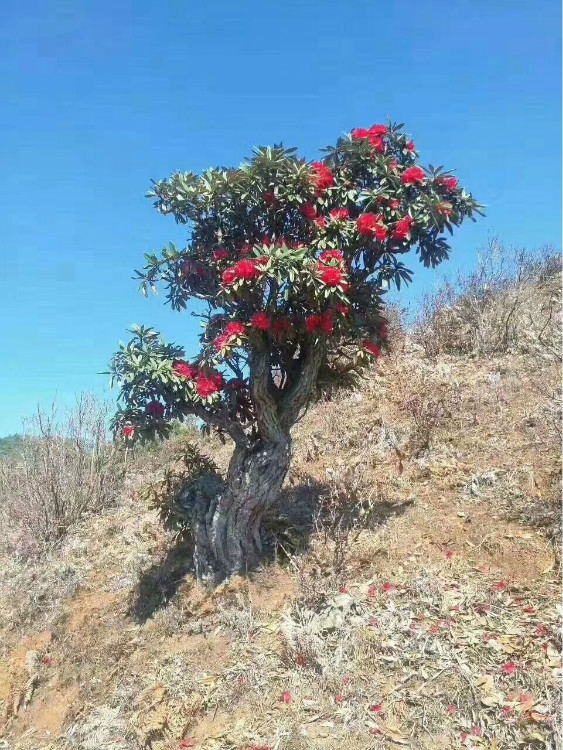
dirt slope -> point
(419, 608)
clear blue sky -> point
(98, 97)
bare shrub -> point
(348, 506)
(65, 467)
(510, 303)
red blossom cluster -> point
(261, 322)
(340, 214)
(221, 254)
(374, 349)
(413, 175)
(327, 255)
(371, 225)
(244, 270)
(208, 384)
(331, 275)
(309, 211)
(403, 228)
(129, 432)
(184, 370)
(323, 179)
(320, 323)
(450, 183)
(232, 330)
(374, 135)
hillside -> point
(413, 603)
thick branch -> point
(296, 399)
(261, 392)
(222, 422)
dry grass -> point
(510, 303)
(64, 467)
(413, 603)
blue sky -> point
(98, 97)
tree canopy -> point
(291, 260)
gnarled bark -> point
(226, 518)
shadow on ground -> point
(305, 507)
(159, 583)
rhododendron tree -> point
(291, 260)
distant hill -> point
(9, 445)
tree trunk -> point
(226, 518)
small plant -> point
(64, 467)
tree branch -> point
(261, 392)
(221, 422)
(300, 392)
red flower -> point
(281, 327)
(207, 385)
(542, 631)
(235, 328)
(128, 432)
(507, 710)
(246, 250)
(309, 210)
(155, 409)
(340, 214)
(329, 255)
(377, 143)
(360, 134)
(394, 165)
(381, 232)
(221, 254)
(395, 204)
(330, 275)
(184, 370)
(450, 554)
(501, 586)
(229, 276)
(323, 178)
(450, 183)
(269, 198)
(376, 351)
(320, 221)
(261, 322)
(189, 743)
(530, 610)
(387, 587)
(232, 330)
(372, 224)
(301, 660)
(374, 135)
(286, 697)
(402, 229)
(327, 323)
(246, 269)
(510, 668)
(313, 323)
(372, 592)
(343, 309)
(339, 698)
(377, 709)
(411, 146)
(412, 175)
(452, 709)
(266, 240)
(221, 342)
